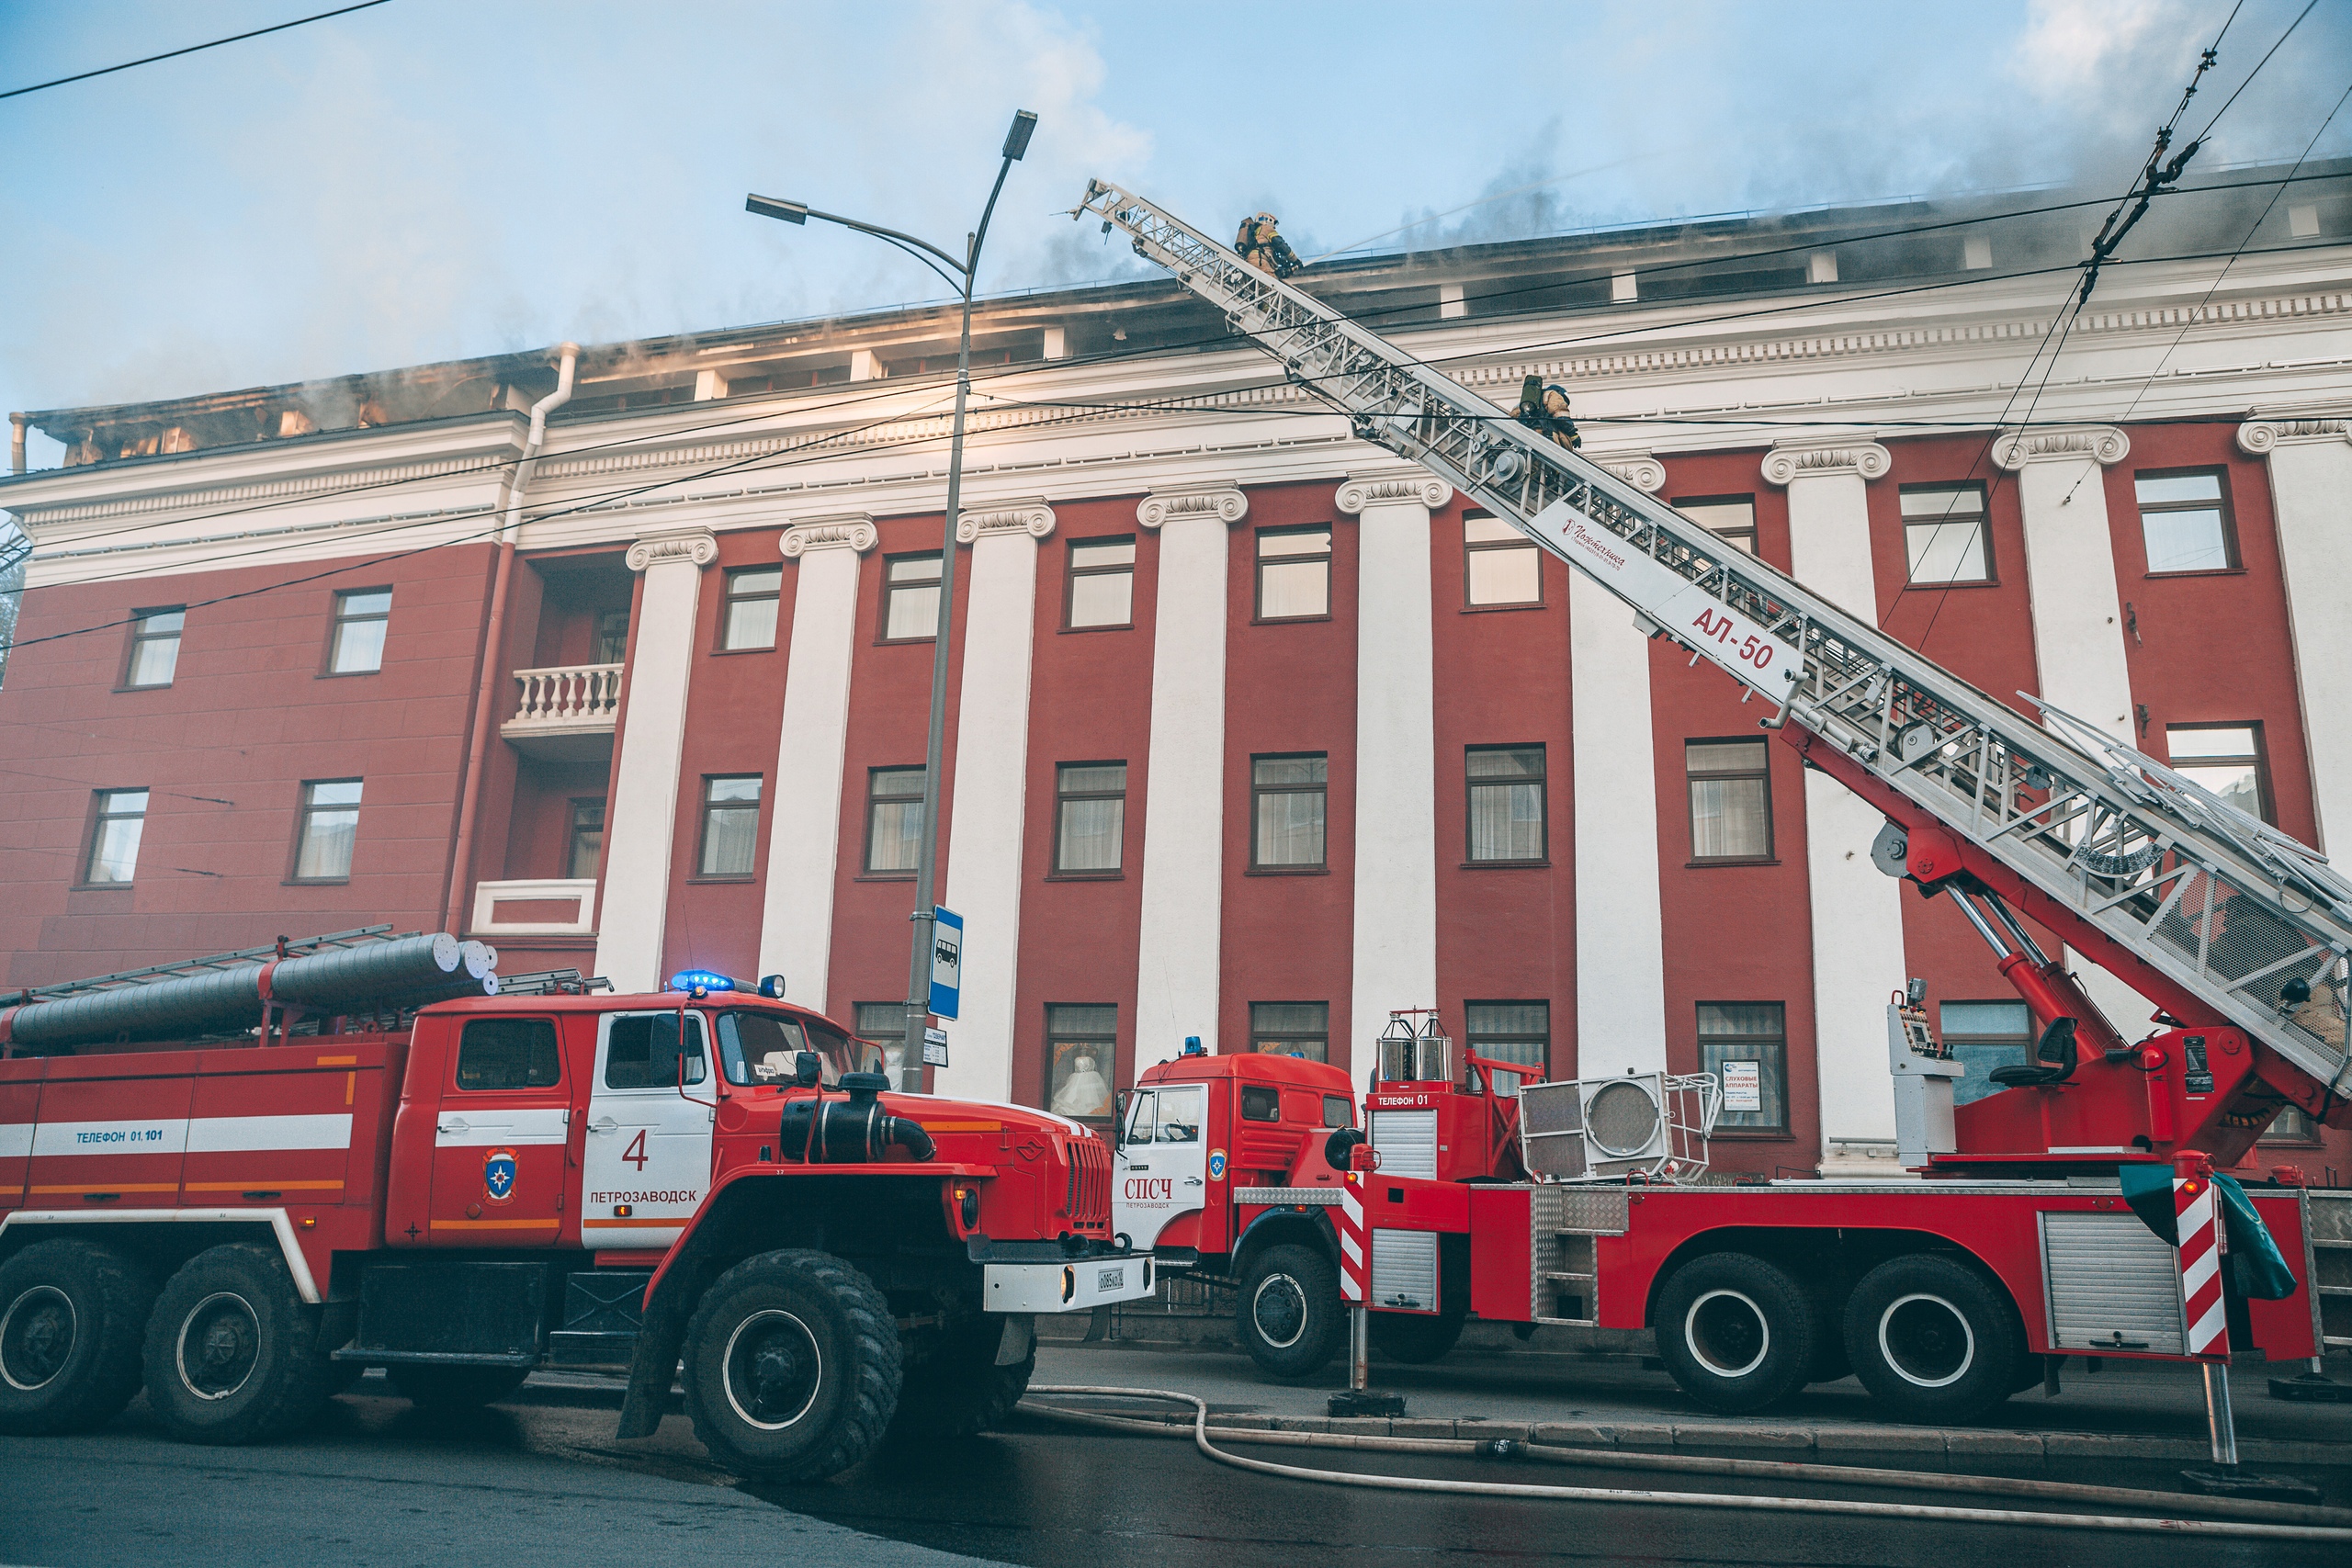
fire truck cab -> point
(1223, 1169)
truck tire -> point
(792, 1366)
(1289, 1317)
(1932, 1339)
(1737, 1331)
(234, 1355)
(958, 1389)
(454, 1388)
(70, 1315)
(1416, 1339)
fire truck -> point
(240, 1182)
(2071, 1214)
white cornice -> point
(1034, 518)
(2103, 443)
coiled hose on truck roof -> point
(2247, 1521)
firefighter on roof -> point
(1261, 245)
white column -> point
(2310, 500)
(805, 823)
(991, 791)
(644, 813)
(1857, 909)
(1621, 930)
(2078, 614)
(1176, 976)
(1394, 961)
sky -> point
(435, 179)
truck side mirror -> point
(808, 1069)
(1119, 1118)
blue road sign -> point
(947, 961)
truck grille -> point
(1090, 1182)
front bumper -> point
(1080, 1285)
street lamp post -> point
(913, 1077)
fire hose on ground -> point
(2242, 1518)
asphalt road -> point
(373, 1483)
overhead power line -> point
(192, 48)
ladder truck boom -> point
(2209, 913)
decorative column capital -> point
(1385, 487)
(1639, 469)
(1824, 459)
(836, 531)
(2103, 443)
(696, 546)
(1222, 502)
(1035, 518)
(2258, 438)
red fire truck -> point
(242, 1220)
(2040, 1222)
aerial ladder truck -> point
(2040, 1221)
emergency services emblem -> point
(1217, 1165)
(498, 1175)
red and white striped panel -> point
(2200, 1266)
(1355, 1257)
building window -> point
(1731, 800)
(750, 607)
(910, 598)
(1507, 824)
(612, 637)
(2185, 518)
(1501, 565)
(329, 828)
(1730, 518)
(360, 617)
(884, 1023)
(154, 646)
(1292, 1028)
(730, 825)
(1746, 1045)
(1101, 584)
(1081, 1046)
(1984, 1035)
(2293, 1125)
(1286, 806)
(119, 816)
(1510, 1031)
(1090, 814)
(586, 858)
(893, 821)
(1944, 532)
(508, 1053)
(2225, 758)
(1293, 574)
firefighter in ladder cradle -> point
(314, 1154)
(2037, 1225)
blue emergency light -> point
(702, 982)
(1193, 1046)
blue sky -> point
(433, 179)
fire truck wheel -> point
(233, 1353)
(1735, 1332)
(1289, 1314)
(1933, 1340)
(71, 1313)
(958, 1389)
(456, 1388)
(1414, 1337)
(792, 1366)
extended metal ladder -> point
(2227, 907)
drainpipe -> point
(15, 444)
(494, 679)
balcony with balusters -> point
(566, 713)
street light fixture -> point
(913, 1077)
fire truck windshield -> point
(760, 1048)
